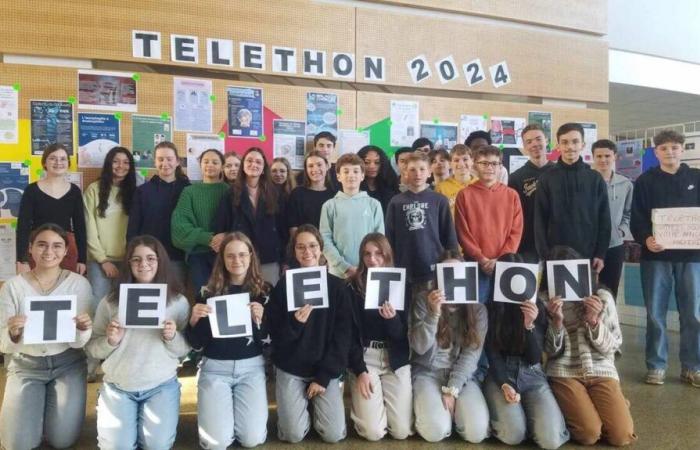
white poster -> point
(231, 316)
(196, 145)
(469, 123)
(193, 104)
(385, 284)
(307, 286)
(515, 282)
(9, 115)
(569, 279)
(8, 254)
(351, 141)
(676, 228)
(49, 319)
(516, 162)
(590, 135)
(289, 141)
(458, 281)
(142, 305)
(405, 123)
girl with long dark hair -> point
(381, 182)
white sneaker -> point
(655, 376)
(691, 377)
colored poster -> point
(245, 112)
(97, 134)
(506, 131)
(147, 132)
(351, 141)
(629, 158)
(543, 119)
(196, 144)
(52, 122)
(72, 177)
(321, 114)
(193, 105)
(106, 91)
(405, 124)
(470, 123)
(443, 135)
(9, 113)
(289, 138)
(590, 135)
(14, 178)
(8, 254)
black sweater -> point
(37, 208)
(304, 206)
(383, 195)
(200, 336)
(572, 209)
(659, 189)
(368, 325)
(319, 348)
(524, 181)
(154, 203)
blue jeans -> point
(201, 265)
(44, 396)
(658, 278)
(101, 285)
(231, 402)
(485, 287)
(147, 419)
(537, 415)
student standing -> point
(380, 181)
(191, 220)
(571, 203)
(232, 165)
(231, 392)
(580, 343)
(671, 185)
(53, 200)
(108, 202)
(155, 201)
(348, 217)
(139, 401)
(382, 399)
(422, 144)
(524, 181)
(461, 163)
(447, 341)
(45, 388)
(401, 159)
(488, 218)
(281, 175)
(306, 200)
(255, 206)
(310, 349)
(439, 166)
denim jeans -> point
(537, 415)
(146, 419)
(101, 284)
(231, 402)
(433, 421)
(44, 396)
(658, 278)
(293, 421)
(201, 265)
(485, 287)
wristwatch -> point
(453, 391)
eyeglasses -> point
(56, 159)
(137, 260)
(239, 256)
(485, 164)
(302, 248)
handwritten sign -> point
(677, 228)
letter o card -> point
(385, 284)
(142, 305)
(459, 281)
(569, 279)
(307, 286)
(231, 316)
(515, 282)
(49, 319)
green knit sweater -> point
(191, 221)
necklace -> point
(42, 289)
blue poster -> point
(14, 178)
(245, 112)
(321, 113)
(52, 122)
(97, 135)
(442, 135)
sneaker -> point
(655, 376)
(691, 377)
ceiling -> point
(635, 107)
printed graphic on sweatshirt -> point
(529, 187)
(415, 215)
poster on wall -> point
(469, 123)
(543, 119)
(442, 135)
(506, 131)
(106, 91)
(245, 112)
(321, 114)
(51, 121)
(8, 253)
(351, 141)
(590, 135)
(75, 178)
(9, 114)
(196, 144)
(97, 134)
(147, 132)
(14, 178)
(193, 105)
(405, 123)
(289, 139)
(629, 158)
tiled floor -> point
(666, 417)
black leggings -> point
(612, 271)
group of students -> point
(476, 368)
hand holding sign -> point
(530, 313)
(593, 307)
(83, 322)
(169, 330)
(15, 326)
(115, 333)
(387, 311)
(556, 312)
(435, 300)
(198, 311)
(302, 314)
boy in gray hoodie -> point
(620, 199)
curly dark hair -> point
(386, 178)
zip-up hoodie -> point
(345, 221)
(659, 189)
(620, 199)
(572, 209)
(524, 181)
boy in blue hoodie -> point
(348, 217)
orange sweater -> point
(488, 221)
